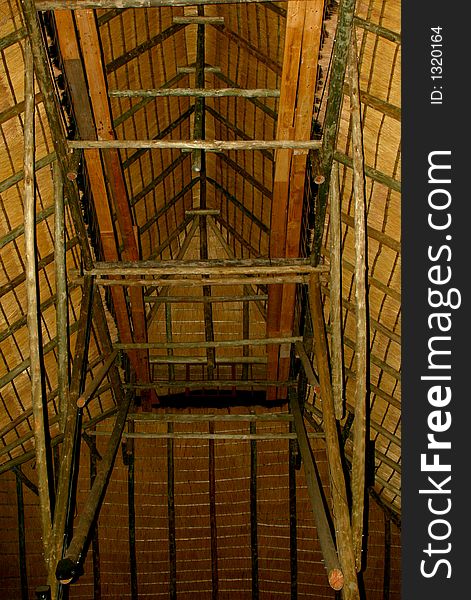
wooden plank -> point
(232, 280)
(91, 52)
(302, 42)
(80, 97)
(40, 423)
(361, 349)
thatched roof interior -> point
(132, 205)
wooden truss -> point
(124, 272)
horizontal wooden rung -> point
(192, 20)
(196, 93)
(207, 145)
(202, 211)
(193, 299)
(188, 281)
(217, 344)
(189, 70)
(209, 384)
(202, 360)
(201, 418)
(207, 436)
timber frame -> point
(284, 282)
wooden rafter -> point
(87, 112)
(298, 82)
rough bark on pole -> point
(336, 291)
(40, 422)
(339, 492)
(361, 360)
(70, 446)
(209, 146)
(61, 294)
(71, 564)
(196, 93)
(329, 553)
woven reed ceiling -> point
(179, 350)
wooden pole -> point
(253, 511)
(21, 538)
(209, 146)
(195, 93)
(172, 549)
(75, 554)
(132, 515)
(339, 492)
(61, 294)
(234, 280)
(293, 538)
(40, 423)
(63, 515)
(212, 512)
(332, 114)
(91, 389)
(216, 344)
(361, 359)
(206, 266)
(336, 291)
(95, 537)
(331, 560)
(79, 4)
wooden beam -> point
(208, 436)
(172, 549)
(94, 457)
(329, 553)
(336, 291)
(80, 97)
(376, 175)
(21, 538)
(199, 20)
(337, 478)
(73, 558)
(195, 93)
(298, 84)
(205, 266)
(91, 52)
(202, 418)
(293, 537)
(208, 146)
(65, 503)
(163, 293)
(91, 389)
(62, 308)
(218, 280)
(253, 512)
(211, 384)
(40, 428)
(79, 4)
(216, 344)
(138, 50)
(332, 115)
(361, 326)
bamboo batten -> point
(359, 424)
(37, 397)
